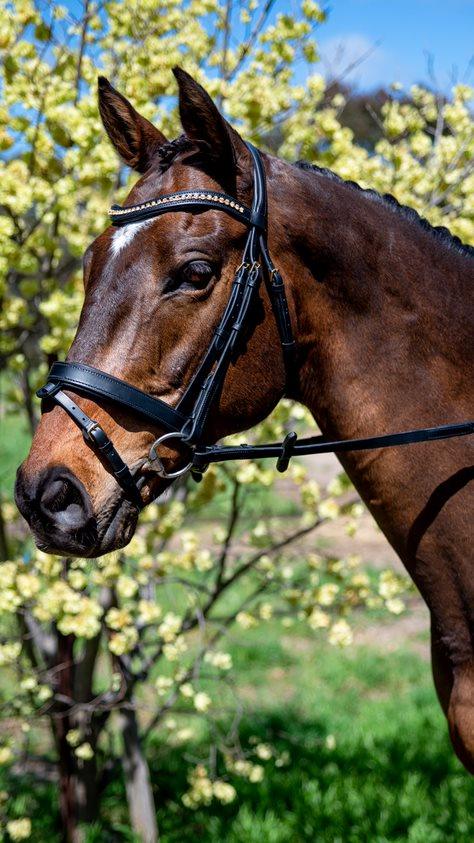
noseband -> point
(186, 422)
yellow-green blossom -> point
(19, 829)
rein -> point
(186, 422)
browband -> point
(186, 200)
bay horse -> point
(380, 306)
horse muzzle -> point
(60, 513)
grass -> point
(14, 444)
(391, 775)
(386, 774)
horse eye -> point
(196, 274)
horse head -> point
(154, 292)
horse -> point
(380, 307)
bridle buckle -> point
(87, 432)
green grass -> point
(391, 776)
(14, 444)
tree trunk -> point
(86, 790)
(66, 780)
(78, 798)
(137, 780)
(61, 725)
(86, 795)
(78, 791)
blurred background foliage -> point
(193, 676)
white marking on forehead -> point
(124, 235)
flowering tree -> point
(89, 634)
(82, 640)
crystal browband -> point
(192, 199)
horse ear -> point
(136, 139)
(204, 124)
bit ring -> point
(153, 457)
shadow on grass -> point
(398, 783)
(406, 786)
(389, 776)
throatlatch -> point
(187, 421)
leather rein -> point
(186, 422)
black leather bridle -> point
(187, 421)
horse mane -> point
(440, 232)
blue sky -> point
(405, 31)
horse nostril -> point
(64, 501)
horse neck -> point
(380, 321)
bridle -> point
(187, 421)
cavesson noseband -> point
(186, 422)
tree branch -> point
(82, 44)
(137, 779)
